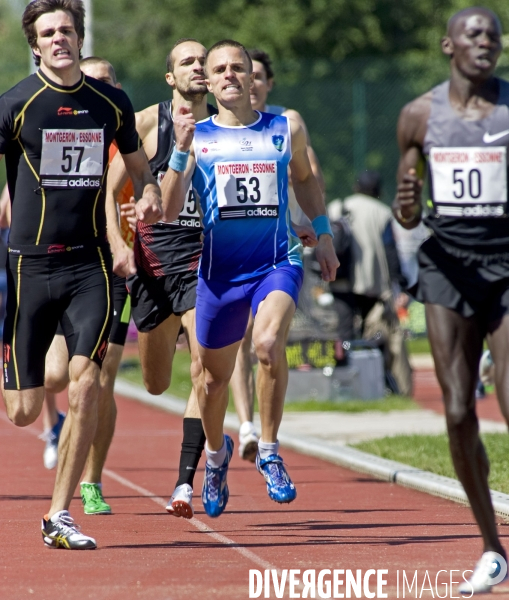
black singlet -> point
(169, 248)
(56, 140)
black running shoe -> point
(64, 533)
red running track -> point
(340, 520)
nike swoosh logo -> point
(488, 138)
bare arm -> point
(123, 256)
(175, 184)
(5, 208)
(310, 199)
(146, 190)
(407, 206)
(313, 158)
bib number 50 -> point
(469, 182)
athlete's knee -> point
(23, 407)
(157, 384)
(270, 348)
(214, 383)
(55, 381)
(459, 415)
(196, 370)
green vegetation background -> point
(347, 65)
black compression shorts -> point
(71, 287)
(121, 312)
(469, 286)
(154, 299)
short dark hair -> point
(97, 60)
(37, 8)
(230, 44)
(170, 65)
(264, 58)
(369, 183)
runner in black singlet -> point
(163, 282)
(56, 127)
(462, 128)
(57, 358)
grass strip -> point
(431, 453)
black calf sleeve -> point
(193, 443)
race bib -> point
(72, 158)
(469, 182)
(247, 189)
(189, 215)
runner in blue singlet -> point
(239, 169)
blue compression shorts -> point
(222, 308)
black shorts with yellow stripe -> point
(70, 287)
(121, 312)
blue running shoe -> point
(215, 494)
(279, 485)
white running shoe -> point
(62, 532)
(489, 570)
(248, 442)
(486, 368)
(51, 437)
(181, 502)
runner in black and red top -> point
(163, 282)
(56, 127)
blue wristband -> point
(321, 225)
(178, 160)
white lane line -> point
(203, 527)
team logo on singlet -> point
(66, 111)
(278, 141)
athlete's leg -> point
(498, 341)
(218, 365)
(157, 349)
(242, 385)
(193, 439)
(242, 381)
(78, 431)
(55, 381)
(106, 415)
(271, 326)
(456, 345)
(23, 406)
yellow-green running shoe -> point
(93, 501)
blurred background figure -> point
(370, 277)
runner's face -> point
(475, 45)
(57, 41)
(188, 75)
(228, 75)
(99, 71)
(261, 86)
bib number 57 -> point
(68, 154)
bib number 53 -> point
(248, 189)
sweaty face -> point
(261, 86)
(228, 74)
(57, 41)
(188, 75)
(99, 71)
(476, 44)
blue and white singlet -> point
(241, 180)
